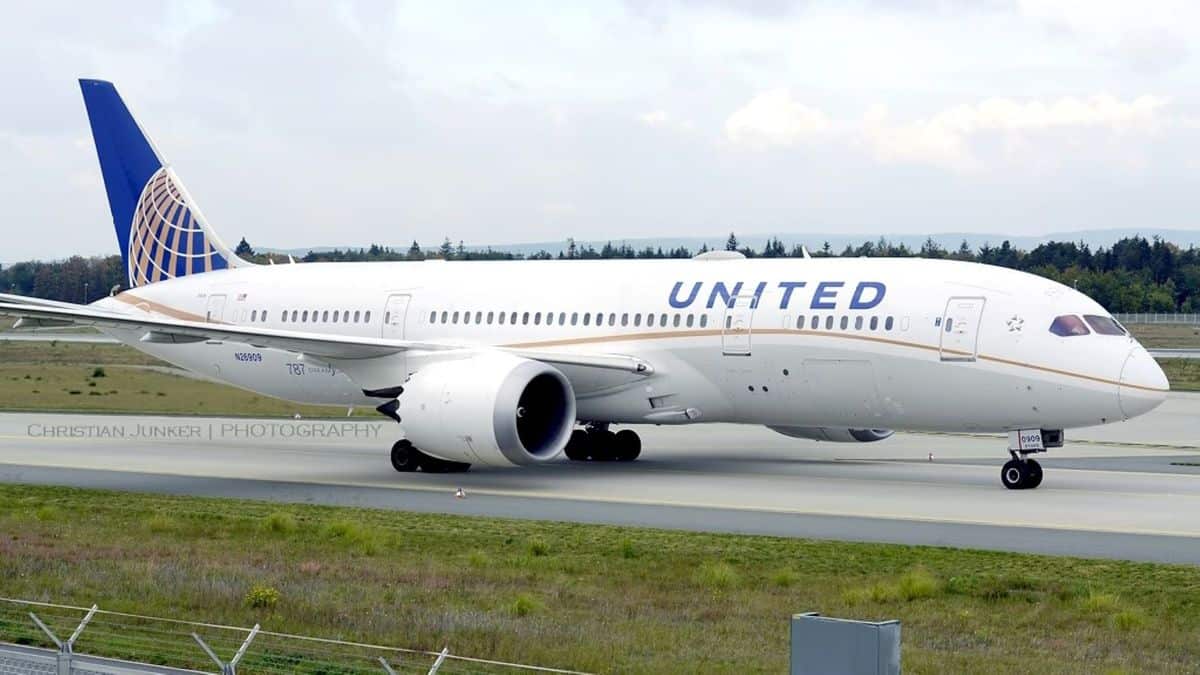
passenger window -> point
(1104, 325)
(453, 319)
(675, 323)
(874, 323)
(254, 315)
(283, 318)
(537, 318)
(491, 317)
(574, 318)
(562, 318)
(294, 314)
(800, 322)
(478, 317)
(1068, 325)
(691, 319)
(949, 324)
(728, 321)
(845, 323)
(432, 317)
(445, 316)
(587, 318)
(612, 319)
(512, 318)
(625, 319)
(466, 317)
(829, 322)
(264, 315)
(662, 320)
(888, 323)
(304, 316)
(815, 323)
(525, 319)
(858, 323)
(367, 316)
(637, 320)
(703, 320)
(502, 315)
(335, 316)
(325, 316)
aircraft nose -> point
(1143, 384)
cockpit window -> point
(1068, 325)
(1104, 325)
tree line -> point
(1133, 275)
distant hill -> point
(814, 241)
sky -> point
(300, 124)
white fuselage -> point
(860, 343)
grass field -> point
(115, 378)
(596, 598)
(1166, 336)
(1183, 374)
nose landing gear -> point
(1021, 473)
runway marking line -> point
(643, 502)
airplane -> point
(513, 363)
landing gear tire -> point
(1035, 474)
(604, 446)
(1020, 474)
(577, 447)
(405, 458)
(628, 445)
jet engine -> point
(835, 435)
(491, 408)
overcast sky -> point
(304, 124)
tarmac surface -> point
(1126, 491)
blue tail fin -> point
(159, 228)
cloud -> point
(775, 118)
(654, 118)
(947, 139)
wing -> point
(163, 329)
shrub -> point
(281, 522)
(48, 512)
(784, 578)
(1101, 602)
(539, 547)
(716, 576)
(917, 584)
(628, 551)
(351, 533)
(525, 604)
(1128, 619)
(99, 372)
(262, 597)
(478, 559)
(160, 523)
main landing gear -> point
(406, 458)
(597, 444)
(1021, 472)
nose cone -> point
(1143, 384)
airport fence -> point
(41, 637)
(1159, 317)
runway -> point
(1129, 491)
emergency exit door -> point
(960, 329)
(736, 329)
(394, 315)
(216, 309)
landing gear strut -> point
(1021, 473)
(407, 458)
(597, 444)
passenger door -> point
(960, 329)
(736, 330)
(394, 315)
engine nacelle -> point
(492, 408)
(835, 435)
